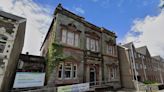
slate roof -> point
(10, 16)
(143, 50)
(158, 58)
(128, 45)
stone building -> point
(93, 49)
(138, 64)
(12, 31)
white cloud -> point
(79, 10)
(161, 3)
(38, 20)
(148, 31)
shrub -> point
(149, 82)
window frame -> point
(61, 64)
(112, 49)
(74, 71)
(63, 71)
(112, 73)
(92, 41)
(76, 37)
(3, 42)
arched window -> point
(92, 69)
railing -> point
(97, 84)
(146, 87)
(92, 86)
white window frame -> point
(68, 70)
(63, 76)
(70, 38)
(65, 38)
(90, 42)
(62, 70)
(137, 66)
(4, 41)
(112, 73)
(74, 71)
(111, 50)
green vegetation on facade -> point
(55, 57)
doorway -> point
(92, 75)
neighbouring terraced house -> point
(138, 64)
(12, 31)
(93, 51)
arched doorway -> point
(92, 75)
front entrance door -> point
(92, 75)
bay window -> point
(92, 44)
(67, 71)
(70, 38)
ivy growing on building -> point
(55, 57)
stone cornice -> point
(78, 18)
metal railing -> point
(92, 86)
(101, 83)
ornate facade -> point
(93, 51)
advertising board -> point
(28, 79)
(74, 88)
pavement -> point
(161, 91)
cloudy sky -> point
(140, 21)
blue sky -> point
(115, 15)
(139, 21)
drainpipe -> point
(160, 73)
(102, 59)
(135, 71)
(144, 67)
(131, 64)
